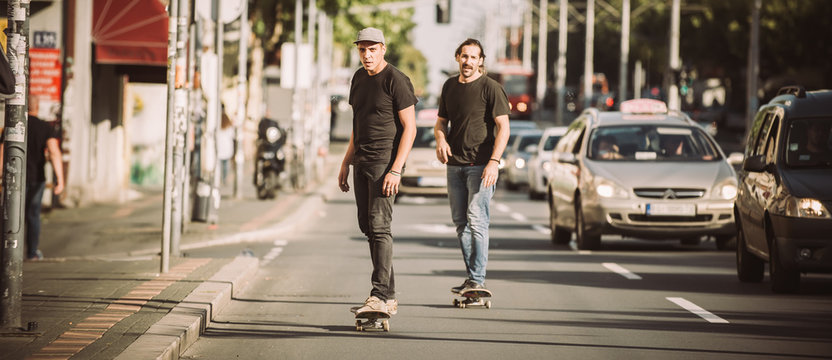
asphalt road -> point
(633, 299)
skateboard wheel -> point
(488, 304)
(462, 305)
(385, 325)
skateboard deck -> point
(373, 320)
(473, 298)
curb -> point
(182, 326)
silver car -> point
(540, 162)
(517, 158)
(644, 172)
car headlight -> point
(272, 134)
(546, 166)
(519, 163)
(608, 189)
(725, 189)
(806, 208)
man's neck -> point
(378, 69)
(472, 78)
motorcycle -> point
(269, 169)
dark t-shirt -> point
(376, 102)
(39, 132)
(470, 109)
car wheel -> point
(559, 234)
(783, 280)
(585, 241)
(749, 267)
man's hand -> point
(490, 174)
(443, 151)
(391, 184)
(343, 176)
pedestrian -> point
(475, 108)
(41, 138)
(225, 145)
(384, 127)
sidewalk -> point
(98, 293)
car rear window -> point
(651, 143)
(809, 143)
(424, 137)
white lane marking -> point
(434, 228)
(541, 229)
(705, 314)
(519, 217)
(620, 270)
(584, 252)
(502, 207)
(274, 252)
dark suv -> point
(784, 196)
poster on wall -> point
(45, 82)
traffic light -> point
(443, 11)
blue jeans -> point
(34, 202)
(470, 211)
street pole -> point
(242, 76)
(527, 38)
(673, 101)
(14, 174)
(561, 67)
(180, 121)
(753, 71)
(297, 123)
(219, 39)
(588, 52)
(542, 48)
(170, 134)
(625, 50)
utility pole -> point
(297, 108)
(242, 95)
(14, 174)
(170, 139)
(527, 38)
(673, 101)
(625, 50)
(180, 121)
(561, 67)
(588, 52)
(753, 65)
(542, 48)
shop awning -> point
(133, 32)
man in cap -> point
(384, 127)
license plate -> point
(671, 209)
(432, 181)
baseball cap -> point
(370, 34)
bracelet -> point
(395, 173)
(495, 160)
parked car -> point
(644, 172)
(517, 158)
(784, 197)
(423, 173)
(540, 162)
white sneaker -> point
(392, 306)
(372, 304)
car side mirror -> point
(531, 148)
(755, 163)
(566, 158)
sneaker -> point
(472, 285)
(38, 256)
(392, 306)
(372, 304)
(458, 289)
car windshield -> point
(551, 141)
(424, 137)
(809, 143)
(527, 140)
(651, 143)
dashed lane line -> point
(620, 270)
(274, 252)
(541, 229)
(705, 314)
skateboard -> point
(372, 320)
(473, 298)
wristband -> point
(395, 173)
(495, 160)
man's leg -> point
(34, 202)
(478, 215)
(458, 198)
(380, 215)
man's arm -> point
(344, 174)
(55, 157)
(492, 170)
(440, 132)
(407, 117)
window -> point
(808, 143)
(651, 142)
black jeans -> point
(375, 213)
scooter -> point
(269, 169)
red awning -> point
(131, 32)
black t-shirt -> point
(39, 132)
(470, 109)
(376, 101)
